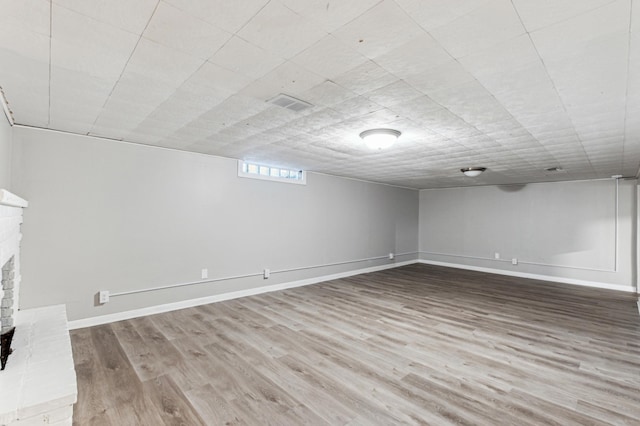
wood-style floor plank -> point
(414, 345)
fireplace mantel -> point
(12, 200)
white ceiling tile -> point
(415, 108)
(229, 16)
(356, 107)
(365, 78)
(161, 63)
(413, 57)
(25, 82)
(76, 98)
(30, 15)
(394, 93)
(564, 39)
(174, 28)
(432, 14)
(513, 54)
(330, 16)
(327, 93)
(494, 22)
(449, 74)
(84, 45)
(291, 79)
(18, 37)
(223, 80)
(124, 14)
(315, 57)
(539, 14)
(281, 31)
(379, 30)
(242, 57)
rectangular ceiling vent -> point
(289, 102)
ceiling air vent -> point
(289, 102)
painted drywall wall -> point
(106, 215)
(6, 145)
(566, 230)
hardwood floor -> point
(413, 345)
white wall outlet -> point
(266, 273)
(496, 255)
(392, 256)
(104, 296)
(205, 273)
(514, 261)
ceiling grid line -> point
(550, 79)
(125, 66)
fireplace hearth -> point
(5, 345)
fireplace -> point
(38, 384)
(7, 310)
(11, 207)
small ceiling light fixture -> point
(379, 138)
(473, 171)
(554, 169)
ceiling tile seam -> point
(458, 62)
(553, 84)
(373, 6)
(224, 44)
(566, 19)
(462, 119)
(124, 68)
(252, 18)
(93, 18)
(450, 140)
(474, 77)
(626, 92)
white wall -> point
(116, 216)
(6, 144)
(564, 230)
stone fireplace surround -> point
(38, 385)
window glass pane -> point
(259, 171)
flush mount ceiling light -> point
(554, 169)
(379, 138)
(473, 171)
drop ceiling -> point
(517, 86)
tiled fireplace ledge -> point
(38, 385)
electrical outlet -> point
(104, 296)
(514, 261)
(205, 273)
(496, 255)
(392, 256)
(266, 273)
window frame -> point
(301, 180)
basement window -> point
(276, 174)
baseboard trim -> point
(572, 281)
(135, 313)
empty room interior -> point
(286, 212)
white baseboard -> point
(573, 281)
(119, 316)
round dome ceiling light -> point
(473, 171)
(379, 138)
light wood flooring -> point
(413, 345)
